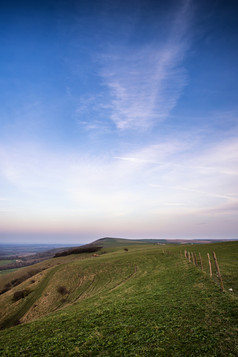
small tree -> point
(20, 294)
(62, 290)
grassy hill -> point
(147, 301)
(119, 242)
(109, 242)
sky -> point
(119, 119)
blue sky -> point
(118, 119)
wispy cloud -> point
(193, 190)
(146, 83)
(169, 181)
(183, 172)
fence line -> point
(192, 258)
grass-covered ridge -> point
(109, 242)
(147, 301)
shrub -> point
(20, 294)
(17, 322)
(20, 280)
(62, 290)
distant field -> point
(147, 300)
(4, 262)
(22, 255)
(28, 249)
(3, 272)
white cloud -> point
(171, 180)
(145, 84)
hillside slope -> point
(146, 301)
(109, 242)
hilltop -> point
(116, 242)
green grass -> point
(5, 261)
(3, 272)
(123, 242)
(144, 302)
(29, 300)
(227, 255)
(6, 278)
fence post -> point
(200, 257)
(218, 270)
(193, 258)
(189, 257)
(210, 266)
(185, 253)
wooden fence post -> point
(218, 270)
(185, 253)
(193, 258)
(210, 266)
(189, 257)
(200, 257)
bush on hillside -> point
(20, 280)
(20, 294)
(62, 290)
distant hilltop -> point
(112, 242)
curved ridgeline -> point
(129, 300)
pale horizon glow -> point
(118, 120)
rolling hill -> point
(147, 300)
(118, 242)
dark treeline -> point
(78, 250)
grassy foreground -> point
(148, 301)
